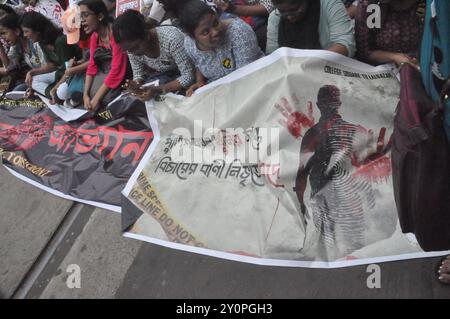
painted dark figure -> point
(338, 200)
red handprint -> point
(375, 167)
(295, 120)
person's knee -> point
(62, 92)
(38, 86)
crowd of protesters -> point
(78, 53)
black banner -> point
(89, 159)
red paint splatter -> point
(295, 122)
(376, 171)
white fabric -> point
(157, 11)
(219, 208)
(42, 81)
(63, 91)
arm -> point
(87, 87)
(300, 186)
(183, 62)
(99, 96)
(381, 57)
(342, 40)
(307, 150)
(301, 180)
(69, 72)
(200, 78)
(118, 66)
(351, 11)
(245, 44)
(253, 10)
(272, 33)
(262, 9)
(92, 68)
(47, 68)
(178, 52)
(365, 42)
(115, 76)
(137, 65)
(80, 68)
(338, 48)
(200, 81)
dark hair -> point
(275, 2)
(129, 26)
(7, 9)
(11, 21)
(40, 24)
(193, 11)
(174, 6)
(98, 7)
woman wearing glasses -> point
(108, 64)
(310, 24)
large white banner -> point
(283, 162)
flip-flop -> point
(438, 270)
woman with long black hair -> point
(13, 68)
(107, 68)
(46, 52)
(10, 31)
(160, 49)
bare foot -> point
(444, 271)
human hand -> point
(95, 102)
(71, 63)
(53, 97)
(87, 102)
(401, 58)
(29, 93)
(132, 86)
(194, 87)
(145, 93)
(29, 79)
(68, 73)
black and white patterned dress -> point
(172, 57)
